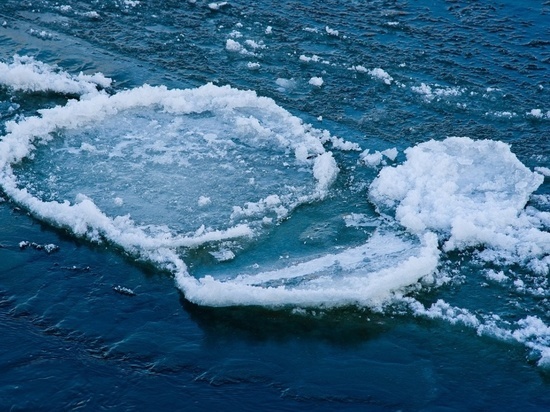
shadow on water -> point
(348, 326)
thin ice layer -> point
(179, 170)
(227, 156)
(367, 275)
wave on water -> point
(158, 172)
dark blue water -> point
(71, 342)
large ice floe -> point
(158, 172)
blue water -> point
(71, 342)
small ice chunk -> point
(359, 68)
(91, 15)
(518, 283)
(381, 74)
(204, 201)
(86, 147)
(371, 159)
(543, 171)
(390, 153)
(325, 170)
(217, 6)
(345, 145)
(316, 81)
(438, 91)
(236, 34)
(253, 65)
(118, 201)
(223, 255)
(27, 74)
(307, 59)
(285, 83)
(311, 30)
(50, 248)
(536, 113)
(360, 220)
(233, 46)
(124, 290)
(496, 276)
(331, 32)
(255, 45)
(268, 30)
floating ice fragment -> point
(365, 278)
(430, 93)
(496, 276)
(124, 290)
(331, 32)
(204, 201)
(306, 59)
(223, 255)
(382, 75)
(217, 6)
(41, 34)
(316, 81)
(536, 113)
(236, 47)
(285, 83)
(232, 45)
(543, 171)
(360, 220)
(91, 15)
(48, 248)
(390, 153)
(311, 30)
(371, 159)
(374, 159)
(255, 45)
(359, 68)
(341, 144)
(27, 74)
(471, 192)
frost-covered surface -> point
(473, 193)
